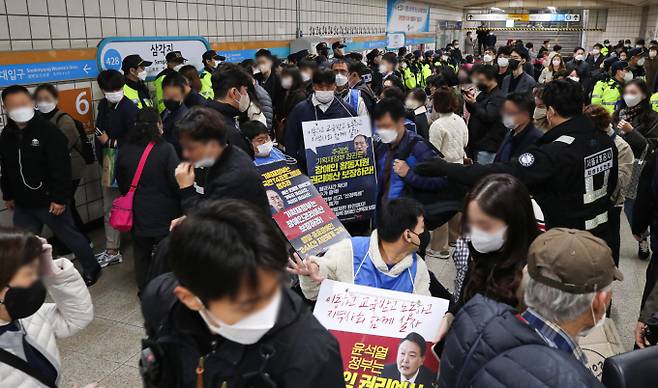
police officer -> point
(608, 92)
(636, 59)
(571, 171)
(210, 62)
(175, 61)
(134, 71)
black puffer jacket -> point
(489, 346)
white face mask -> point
(142, 75)
(641, 61)
(444, 58)
(403, 65)
(22, 115)
(579, 57)
(206, 162)
(508, 122)
(383, 69)
(265, 149)
(598, 323)
(411, 104)
(177, 67)
(306, 76)
(595, 52)
(46, 106)
(628, 76)
(503, 62)
(487, 58)
(250, 329)
(264, 67)
(485, 242)
(286, 83)
(574, 78)
(387, 136)
(632, 100)
(341, 80)
(114, 97)
(556, 63)
(652, 54)
(243, 102)
(324, 96)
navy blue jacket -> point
(489, 346)
(169, 120)
(305, 111)
(116, 120)
(514, 146)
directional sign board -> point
(36, 73)
(521, 17)
(112, 51)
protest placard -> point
(402, 321)
(341, 164)
(299, 210)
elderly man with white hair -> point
(568, 291)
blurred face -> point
(633, 90)
(623, 56)
(173, 93)
(386, 122)
(195, 151)
(18, 100)
(518, 57)
(477, 218)
(579, 52)
(481, 80)
(44, 96)
(264, 64)
(409, 359)
(275, 200)
(513, 111)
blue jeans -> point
(484, 157)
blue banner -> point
(407, 16)
(241, 55)
(36, 73)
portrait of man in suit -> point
(409, 363)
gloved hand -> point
(435, 167)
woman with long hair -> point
(295, 92)
(555, 64)
(156, 202)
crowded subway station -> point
(328, 193)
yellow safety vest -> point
(133, 95)
(206, 85)
(654, 101)
(408, 78)
(607, 95)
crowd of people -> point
(501, 131)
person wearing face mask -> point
(338, 49)
(373, 60)
(45, 96)
(539, 115)
(573, 195)
(517, 116)
(386, 259)
(29, 327)
(387, 67)
(608, 92)
(307, 68)
(623, 54)
(295, 92)
(175, 61)
(582, 68)
(351, 97)
(213, 167)
(417, 112)
(115, 119)
(173, 88)
(156, 201)
(36, 177)
(321, 105)
(489, 56)
(502, 64)
(265, 150)
(232, 100)
(135, 89)
(192, 95)
(210, 61)
(358, 79)
(595, 57)
(518, 80)
(555, 64)
(568, 265)
(269, 79)
(235, 323)
(651, 68)
(637, 58)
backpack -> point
(86, 144)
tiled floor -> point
(107, 350)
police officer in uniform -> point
(608, 92)
(175, 61)
(571, 171)
(134, 71)
(210, 62)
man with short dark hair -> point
(227, 315)
(321, 105)
(386, 259)
(36, 177)
(636, 60)
(175, 61)
(517, 115)
(338, 49)
(350, 96)
(268, 78)
(360, 78)
(518, 80)
(409, 367)
(581, 66)
(210, 61)
(595, 58)
(134, 71)
(571, 171)
(228, 171)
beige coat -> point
(449, 134)
(66, 124)
(625, 162)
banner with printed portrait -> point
(399, 354)
(341, 163)
(299, 210)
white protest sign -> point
(324, 132)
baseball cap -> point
(133, 61)
(572, 260)
(619, 65)
(337, 45)
(212, 54)
(321, 46)
(428, 53)
(635, 52)
(174, 56)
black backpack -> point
(86, 144)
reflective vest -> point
(367, 274)
(206, 85)
(408, 78)
(654, 101)
(133, 95)
(159, 95)
(607, 94)
(426, 72)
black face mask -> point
(514, 64)
(172, 105)
(483, 87)
(21, 302)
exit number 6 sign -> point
(77, 103)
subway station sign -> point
(41, 72)
(524, 17)
(112, 51)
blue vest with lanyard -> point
(366, 274)
(353, 99)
